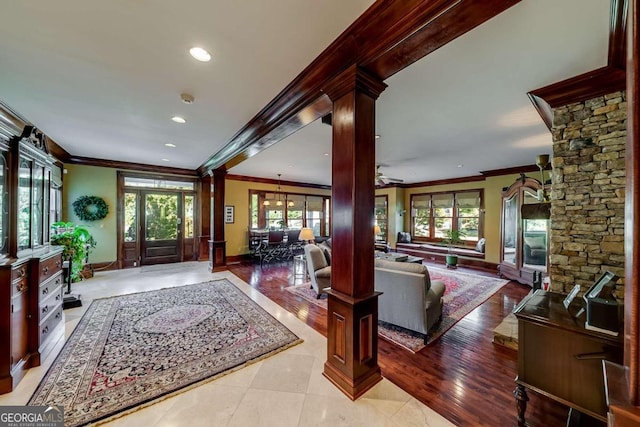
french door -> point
(158, 227)
(161, 219)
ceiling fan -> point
(382, 179)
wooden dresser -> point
(559, 358)
(31, 318)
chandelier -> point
(279, 197)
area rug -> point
(463, 293)
(132, 350)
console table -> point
(559, 358)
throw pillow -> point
(404, 237)
(326, 249)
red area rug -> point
(131, 350)
(463, 293)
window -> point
(130, 217)
(421, 216)
(381, 215)
(295, 212)
(136, 181)
(433, 214)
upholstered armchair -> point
(318, 268)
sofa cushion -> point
(407, 267)
(535, 242)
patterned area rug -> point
(463, 293)
(133, 349)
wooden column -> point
(352, 321)
(623, 381)
(205, 217)
(218, 245)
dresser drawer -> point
(50, 267)
(50, 304)
(49, 324)
(20, 285)
(49, 287)
(19, 272)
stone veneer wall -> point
(587, 191)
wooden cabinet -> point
(559, 358)
(524, 232)
(31, 318)
(46, 302)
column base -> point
(217, 255)
(352, 343)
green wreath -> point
(90, 208)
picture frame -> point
(229, 214)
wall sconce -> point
(402, 212)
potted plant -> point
(453, 237)
(77, 242)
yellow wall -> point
(96, 181)
(93, 181)
(237, 195)
(492, 187)
(395, 205)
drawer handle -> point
(45, 308)
(58, 263)
(46, 270)
(21, 287)
(45, 291)
(58, 297)
(45, 330)
(58, 281)
(58, 315)
(21, 272)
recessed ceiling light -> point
(460, 166)
(325, 154)
(377, 136)
(178, 119)
(200, 54)
(165, 160)
(170, 145)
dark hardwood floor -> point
(463, 375)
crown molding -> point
(115, 164)
(599, 82)
(275, 181)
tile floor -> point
(287, 389)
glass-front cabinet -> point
(524, 232)
(34, 186)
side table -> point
(299, 267)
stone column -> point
(588, 191)
(352, 319)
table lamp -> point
(306, 234)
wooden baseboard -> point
(104, 266)
(235, 259)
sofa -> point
(318, 268)
(410, 299)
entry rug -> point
(132, 350)
(463, 293)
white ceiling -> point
(104, 79)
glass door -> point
(162, 220)
(510, 229)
